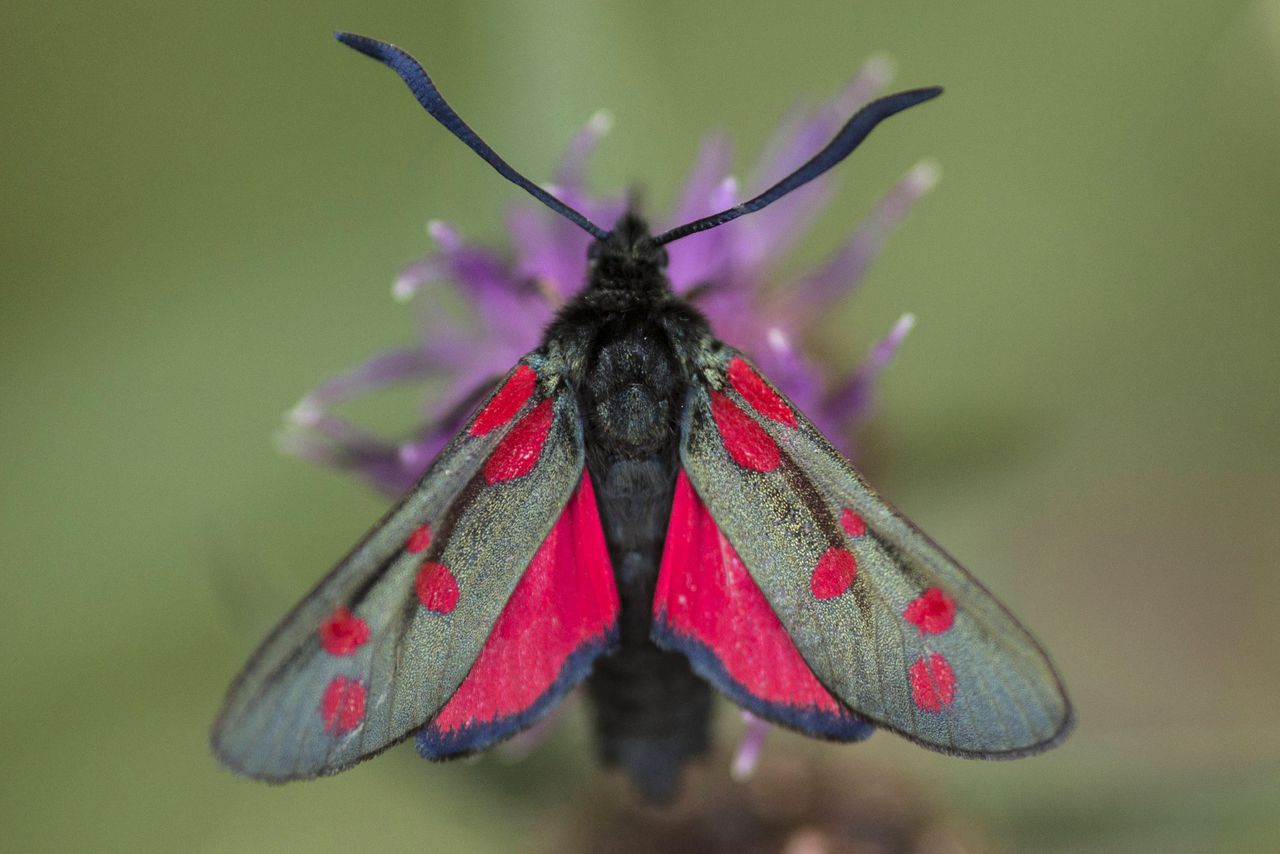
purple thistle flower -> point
(730, 273)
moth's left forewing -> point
(383, 642)
(887, 621)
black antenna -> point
(429, 97)
(849, 137)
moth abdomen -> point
(652, 715)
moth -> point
(636, 507)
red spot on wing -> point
(933, 612)
(853, 524)
(834, 574)
(343, 632)
(706, 593)
(933, 683)
(419, 540)
(566, 599)
(756, 391)
(745, 440)
(518, 452)
(437, 588)
(504, 405)
(342, 706)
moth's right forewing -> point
(314, 701)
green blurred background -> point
(204, 205)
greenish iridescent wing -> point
(383, 643)
(886, 620)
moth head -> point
(628, 254)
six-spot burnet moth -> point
(637, 507)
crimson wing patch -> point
(886, 621)
(561, 616)
(707, 606)
(385, 641)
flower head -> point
(731, 273)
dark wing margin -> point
(887, 621)
(385, 640)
